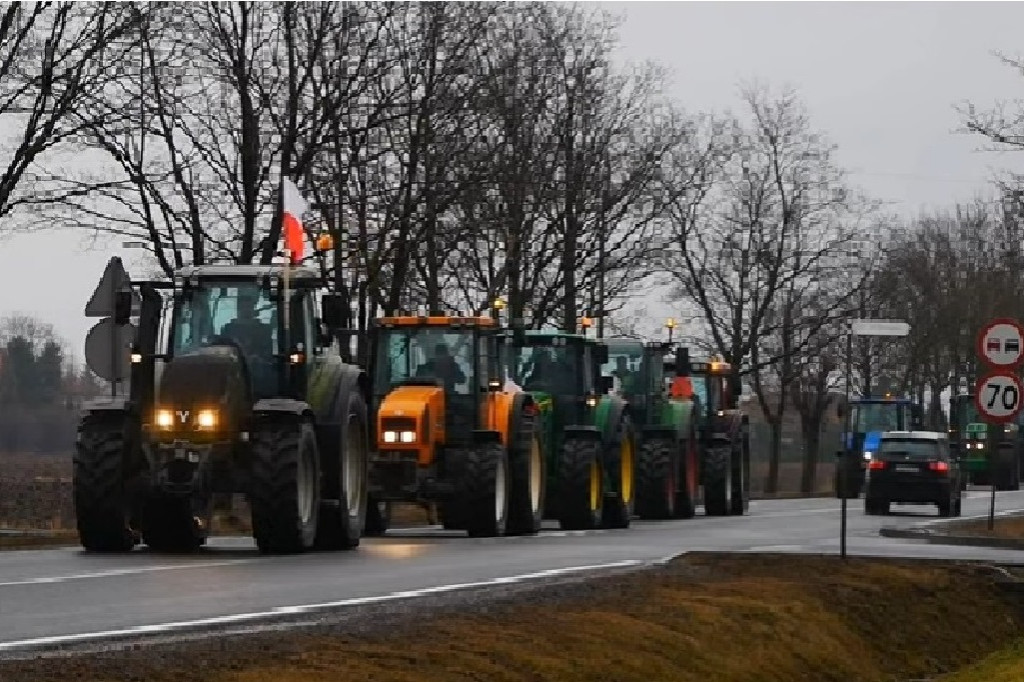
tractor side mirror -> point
(332, 310)
(602, 354)
(682, 362)
(122, 307)
(605, 384)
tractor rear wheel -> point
(580, 485)
(101, 500)
(618, 509)
(486, 490)
(285, 492)
(527, 469)
(740, 481)
(657, 470)
(718, 487)
(342, 522)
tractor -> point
(869, 418)
(969, 440)
(447, 432)
(667, 466)
(723, 431)
(588, 435)
(245, 391)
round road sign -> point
(998, 396)
(1000, 343)
(108, 349)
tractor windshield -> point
(405, 353)
(555, 368)
(883, 416)
(241, 311)
(625, 367)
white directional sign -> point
(998, 395)
(1001, 343)
(879, 328)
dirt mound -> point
(705, 618)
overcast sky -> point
(880, 79)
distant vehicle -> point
(869, 418)
(913, 467)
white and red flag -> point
(291, 224)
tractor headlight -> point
(407, 436)
(868, 454)
(206, 419)
(391, 436)
(591, 401)
(164, 419)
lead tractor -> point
(667, 462)
(447, 431)
(244, 391)
(588, 435)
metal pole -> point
(847, 450)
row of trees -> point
(457, 152)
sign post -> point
(860, 327)
(998, 394)
(108, 344)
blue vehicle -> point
(869, 419)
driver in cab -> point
(252, 334)
(442, 366)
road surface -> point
(64, 596)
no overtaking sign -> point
(1000, 344)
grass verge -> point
(1008, 527)
(706, 618)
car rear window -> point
(915, 449)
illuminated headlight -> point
(868, 454)
(206, 419)
(407, 436)
(164, 419)
(391, 436)
(591, 401)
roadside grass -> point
(704, 617)
(1006, 665)
(1011, 527)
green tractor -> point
(667, 463)
(969, 439)
(723, 431)
(248, 393)
(588, 436)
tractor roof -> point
(544, 335)
(303, 273)
(435, 321)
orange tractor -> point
(448, 433)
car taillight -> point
(938, 466)
(876, 464)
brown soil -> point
(706, 618)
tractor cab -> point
(706, 382)
(561, 368)
(636, 371)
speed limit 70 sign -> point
(998, 396)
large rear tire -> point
(342, 523)
(285, 493)
(718, 487)
(740, 480)
(580, 485)
(621, 502)
(527, 468)
(102, 505)
(486, 489)
(657, 468)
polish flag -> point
(291, 225)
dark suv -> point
(913, 467)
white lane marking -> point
(775, 548)
(121, 571)
(304, 608)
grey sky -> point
(879, 78)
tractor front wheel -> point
(343, 522)
(101, 499)
(285, 492)
(718, 486)
(618, 509)
(527, 469)
(656, 485)
(486, 490)
(580, 485)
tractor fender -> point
(330, 385)
(281, 406)
(486, 436)
(108, 406)
(519, 402)
(580, 432)
(608, 420)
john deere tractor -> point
(667, 463)
(246, 394)
(723, 431)
(589, 441)
(991, 455)
(448, 433)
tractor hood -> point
(412, 408)
(211, 378)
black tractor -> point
(242, 389)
